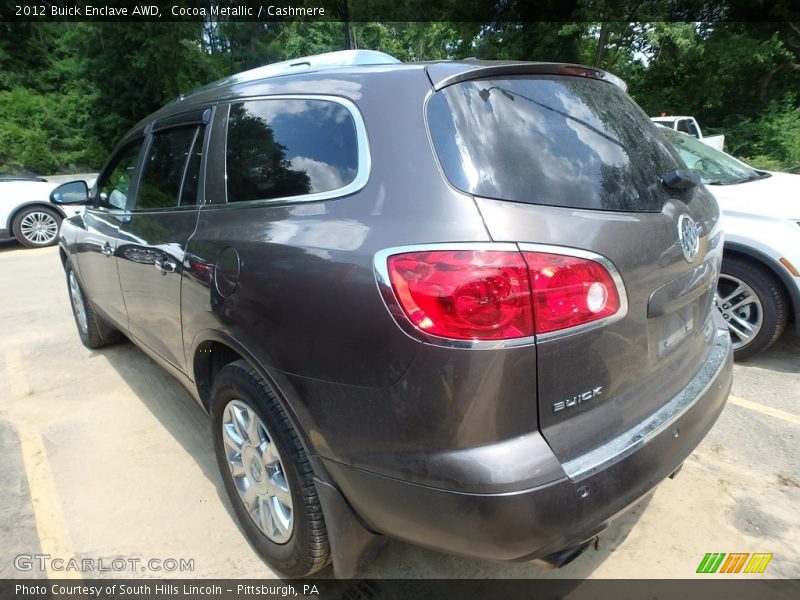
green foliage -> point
(772, 138)
(36, 132)
(764, 162)
(69, 91)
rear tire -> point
(36, 227)
(267, 473)
(754, 305)
(93, 330)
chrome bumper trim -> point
(628, 442)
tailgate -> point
(643, 360)
(573, 162)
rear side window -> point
(553, 140)
(281, 148)
(691, 129)
(164, 168)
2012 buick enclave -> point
(468, 304)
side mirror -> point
(680, 179)
(74, 192)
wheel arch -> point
(776, 269)
(212, 350)
(351, 541)
(40, 203)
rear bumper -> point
(536, 522)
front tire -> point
(267, 473)
(92, 328)
(36, 227)
(753, 304)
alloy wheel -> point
(39, 227)
(741, 308)
(78, 307)
(257, 470)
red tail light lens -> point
(502, 294)
(464, 294)
(569, 291)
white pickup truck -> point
(689, 126)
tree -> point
(68, 91)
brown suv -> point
(468, 305)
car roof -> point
(349, 63)
(330, 72)
(306, 64)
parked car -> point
(450, 303)
(759, 287)
(27, 214)
(690, 126)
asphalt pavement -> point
(104, 456)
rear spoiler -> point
(444, 74)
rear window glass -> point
(554, 140)
(283, 147)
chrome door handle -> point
(166, 265)
(107, 250)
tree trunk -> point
(348, 42)
(764, 88)
(601, 45)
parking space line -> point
(17, 382)
(50, 523)
(765, 410)
(51, 526)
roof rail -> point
(316, 62)
(328, 60)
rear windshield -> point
(554, 140)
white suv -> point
(27, 214)
(759, 287)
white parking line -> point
(765, 410)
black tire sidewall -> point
(236, 383)
(98, 332)
(17, 229)
(86, 337)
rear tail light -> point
(464, 294)
(500, 294)
(569, 291)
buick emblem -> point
(689, 237)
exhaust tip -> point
(556, 560)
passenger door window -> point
(287, 148)
(115, 186)
(164, 169)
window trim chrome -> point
(380, 265)
(363, 169)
